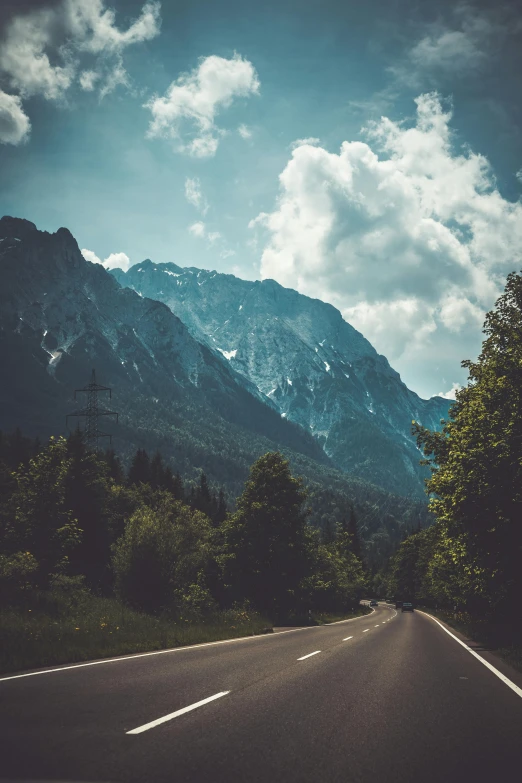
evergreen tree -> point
(221, 512)
(115, 467)
(267, 541)
(140, 471)
(353, 530)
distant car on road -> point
(374, 603)
(406, 607)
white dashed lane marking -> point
(309, 655)
(172, 715)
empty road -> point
(385, 697)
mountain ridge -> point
(316, 368)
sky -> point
(365, 153)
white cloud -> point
(88, 80)
(311, 141)
(409, 238)
(14, 122)
(451, 394)
(188, 110)
(194, 195)
(113, 261)
(198, 229)
(93, 26)
(244, 132)
(213, 236)
(43, 50)
(518, 175)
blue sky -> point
(249, 138)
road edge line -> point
(487, 664)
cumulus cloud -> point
(43, 50)
(407, 236)
(113, 261)
(452, 393)
(312, 141)
(187, 112)
(14, 122)
(194, 195)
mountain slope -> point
(314, 367)
(60, 315)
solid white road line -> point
(366, 630)
(347, 638)
(488, 665)
(309, 655)
(176, 714)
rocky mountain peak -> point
(316, 369)
(15, 228)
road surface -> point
(385, 697)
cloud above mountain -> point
(14, 122)
(187, 112)
(113, 261)
(50, 49)
(407, 235)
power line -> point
(92, 412)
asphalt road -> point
(399, 700)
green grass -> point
(54, 631)
(324, 618)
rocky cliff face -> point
(60, 316)
(314, 367)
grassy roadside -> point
(55, 633)
(480, 632)
(324, 619)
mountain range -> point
(214, 375)
(306, 362)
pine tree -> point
(268, 545)
(139, 472)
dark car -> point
(406, 607)
(374, 603)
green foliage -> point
(73, 530)
(161, 554)
(476, 464)
(267, 540)
(40, 521)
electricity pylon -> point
(92, 412)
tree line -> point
(72, 516)
(471, 557)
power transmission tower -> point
(92, 412)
